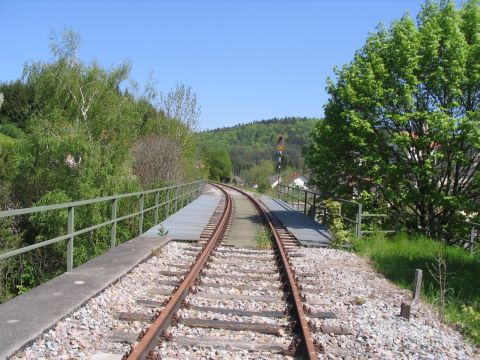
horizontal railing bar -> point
(319, 195)
(31, 210)
(24, 249)
(373, 215)
(95, 227)
(378, 231)
(33, 246)
(352, 221)
(470, 223)
(351, 202)
(60, 238)
(109, 222)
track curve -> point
(302, 345)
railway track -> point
(230, 299)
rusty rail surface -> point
(154, 333)
(302, 324)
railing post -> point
(167, 204)
(70, 230)
(298, 199)
(472, 238)
(305, 205)
(157, 200)
(140, 220)
(181, 196)
(358, 227)
(176, 198)
(113, 240)
(314, 205)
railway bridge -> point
(214, 273)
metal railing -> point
(472, 241)
(310, 201)
(466, 234)
(183, 193)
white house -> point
(297, 180)
(274, 180)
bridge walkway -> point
(307, 231)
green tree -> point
(78, 133)
(18, 103)
(166, 150)
(68, 132)
(403, 118)
(259, 174)
(218, 163)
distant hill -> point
(249, 143)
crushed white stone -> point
(87, 331)
(378, 332)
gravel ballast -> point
(375, 330)
(89, 329)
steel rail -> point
(304, 330)
(152, 337)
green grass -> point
(398, 257)
(263, 238)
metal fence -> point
(467, 234)
(312, 204)
(175, 196)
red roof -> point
(294, 176)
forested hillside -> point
(249, 144)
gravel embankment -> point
(377, 330)
(89, 329)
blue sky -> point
(245, 60)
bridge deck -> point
(188, 223)
(25, 317)
(307, 231)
